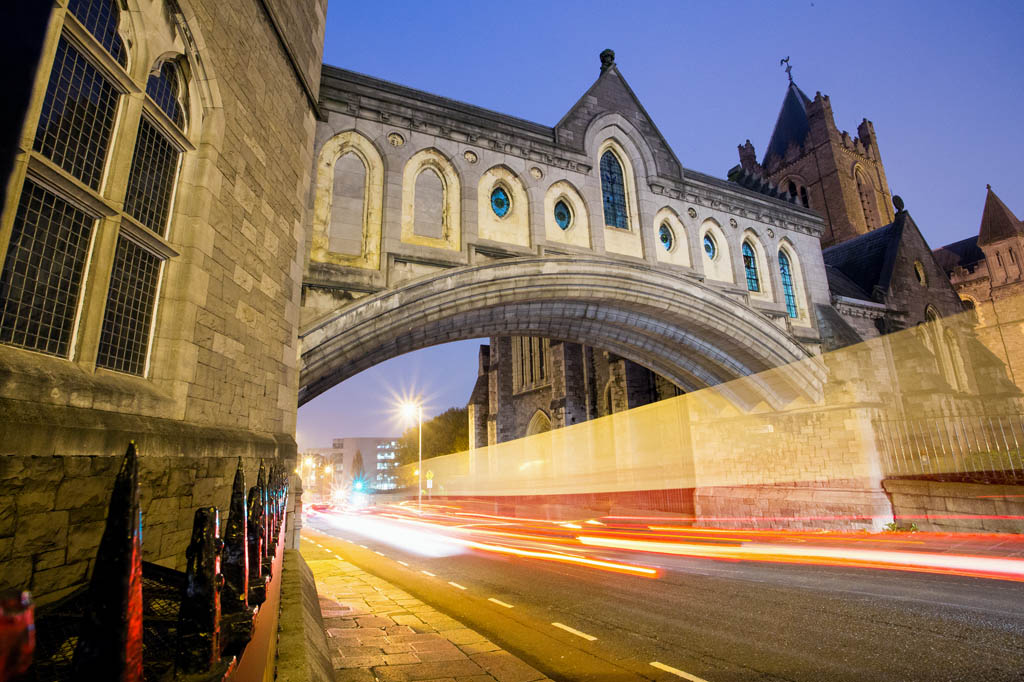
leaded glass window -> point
(613, 188)
(665, 237)
(77, 116)
(500, 203)
(710, 248)
(750, 268)
(100, 18)
(42, 273)
(129, 313)
(787, 285)
(163, 89)
(151, 181)
(563, 216)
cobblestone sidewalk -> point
(375, 631)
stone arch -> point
(451, 204)
(540, 422)
(578, 233)
(679, 254)
(799, 285)
(720, 267)
(514, 227)
(751, 237)
(618, 127)
(868, 200)
(342, 144)
(692, 335)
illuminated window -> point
(750, 268)
(613, 189)
(710, 248)
(787, 285)
(563, 215)
(500, 203)
(666, 237)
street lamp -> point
(412, 410)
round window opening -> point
(500, 203)
(665, 237)
(709, 247)
(563, 216)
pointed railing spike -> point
(199, 617)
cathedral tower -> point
(824, 168)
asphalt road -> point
(716, 620)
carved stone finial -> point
(789, 68)
(988, 186)
(897, 201)
(607, 60)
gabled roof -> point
(611, 94)
(841, 285)
(963, 253)
(792, 125)
(997, 221)
(867, 261)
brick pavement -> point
(376, 631)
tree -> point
(446, 433)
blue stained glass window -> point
(613, 188)
(563, 216)
(709, 247)
(750, 267)
(787, 285)
(500, 203)
(665, 236)
(100, 18)
(163, 89)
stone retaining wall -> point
(957, 507)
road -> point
(707, 619)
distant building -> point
(378, 455)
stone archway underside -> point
(688, 333)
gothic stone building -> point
(150, 243)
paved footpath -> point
(378, 632)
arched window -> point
(867, 199)
(163, 89)
(710, 248)
(804, 198)
(348, 205)
(613, 189)
(750, 268)
(787, 285)
(792, 188)
(100, 18)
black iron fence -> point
(140, 621)
(986, 448)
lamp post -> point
(410, 410)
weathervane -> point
(789, 68)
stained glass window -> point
(163, 89)
(665, 236)
(100, 18)
(613, 188)
(563, 216)
(787, 285)
(709, 247)
(500, 203)
(750, 267)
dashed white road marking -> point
(499, 602)
(403, 563)
(381, 553)
(461, 587)
(678, 672)
(364, 546)
(432, 575)
(589, 638)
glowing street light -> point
(412, 410)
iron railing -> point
(986, 448)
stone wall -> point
(946, 507)
(54, 508)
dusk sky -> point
(943, 83)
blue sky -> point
(943, 83)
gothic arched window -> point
(750, 268)
(787, 285)
(100, 18)
(613, 189)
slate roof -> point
(997, 221)
(841, 285)
(964, 253)
(792, 125)
(866, 261)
